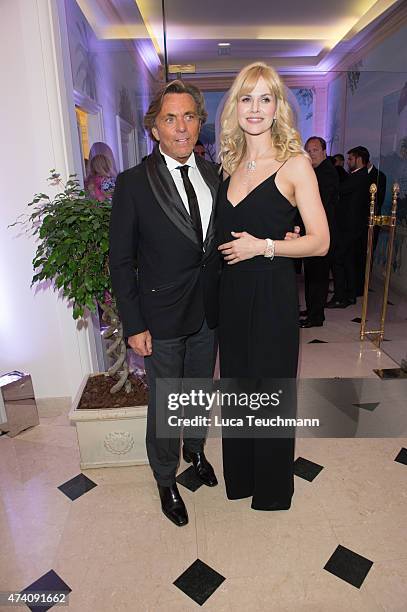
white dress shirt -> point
(203, 193)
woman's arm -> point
(306, 195)
(300, 176)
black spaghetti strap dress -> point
(258, 337)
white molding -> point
(83, 100)
(119, 142)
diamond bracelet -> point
(269, 252)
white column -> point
(320, 110)
(37, 126)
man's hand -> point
(141, 344)
(293, 235)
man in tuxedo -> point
(350, 223)
(316, 269)
(163, 217)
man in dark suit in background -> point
(339, 162)
(350, 223)
(316, 269)
(163, 216)
(379, 178)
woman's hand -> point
(244, 247)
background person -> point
(102, 148)
(199, 149)
(339, 163)
(316, 269)
(350, 224)
(101, 179)
(379, 178)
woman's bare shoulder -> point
(299, 162)
(298, 169)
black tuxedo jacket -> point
(351, 219)
(378, 177)
(162, 279)
(328, 184)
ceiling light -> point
(224, 44)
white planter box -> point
(110, 437)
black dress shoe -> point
(203, 468)
(334, 303)
(172, 504)
(307, 323)
(351, 300)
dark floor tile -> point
(402, 456)
(306, 469)
(48, 582)
(349, 566)
(389, 373)
(77, 486)
(316, 341)
(189, 479)
(199, 581)
(368, 406)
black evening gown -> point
(258, 337)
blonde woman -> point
(268, 177)
(101, 178)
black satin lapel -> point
(212, 179)
(167, 196)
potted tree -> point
(72, 230)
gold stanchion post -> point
(389, 257)
(373, 191)
(387, 221)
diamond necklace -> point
(252, 163)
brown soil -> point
(96, 394)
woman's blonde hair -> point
(102, 148)
(100, 165)
(285, 138)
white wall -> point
(37, 332)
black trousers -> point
(360, 262)
(344, 269)
(316, 276)
(191, 356)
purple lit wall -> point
(113, 74)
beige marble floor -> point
(116, 551)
